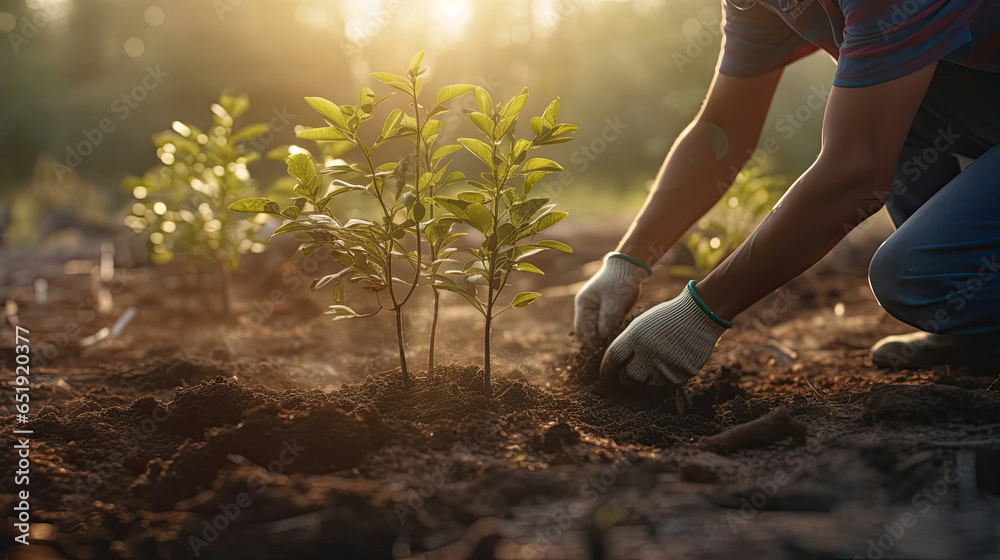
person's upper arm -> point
(757, 41)
(883, 41)
(738, 107)
(864, 129)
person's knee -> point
(883, 273)
(906, 286)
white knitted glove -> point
(667, 344)
(605, 299)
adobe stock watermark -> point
(121, 107)
(31, 25)
(454, 118)
(956, 299)
(86, 312)
(279, 121)
(911, 169)
(922, 502)
(562, 10)
(769, 317)
(263, 308)
(229, 512)
(564, 518)
(585, 155)
(700, 37)
(768, 487)
(225, 7)
(900, 14)
(417, 497)
(104, 471)
(785, 128)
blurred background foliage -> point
(631, 73)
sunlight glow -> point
(453, 16)
(363, 20)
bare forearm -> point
(809, 221)
(863, 133)
(696, 173)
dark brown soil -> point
(188, 437)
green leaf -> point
(547, 221)
(453, 177)
(431, 128)
(452, 91)
(301, 167)
(472, 197)
(541, 164)
(557, 245)
(538, 125)
(531, 179)
(341, 312)
(528, 267)
(444, 283)
(479, 217)
(515, 105)
(481, 149)
(320, 282)
(564, 129)
(327, 133)
(552, 141)
(524, 299)
(483, 100)
(366, 101)
(255, 205)
(330, 110)
(453, 205)
(453, 238)
(415, 62)
(483, 123)
(504, 125)
(291, 212)
(418, 211)
(341, 168)
(524, 210)
(391, 123)
(445, 151)
(393, 80)
(440, 109)
(551, 112)
(249, 132)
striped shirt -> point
(873, 41)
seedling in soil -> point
(181, 204)
(501, 209)
(374, 253)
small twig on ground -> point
(809, 383)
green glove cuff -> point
(704, 306)
(633, 260)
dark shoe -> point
(920, 350)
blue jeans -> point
(940, 270)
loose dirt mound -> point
(926, 405)
(161, 374)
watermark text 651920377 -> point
(22, 437)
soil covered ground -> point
(278, 434)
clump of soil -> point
(927, 405)
(210, 404)
(325, 439)
(160, 374)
